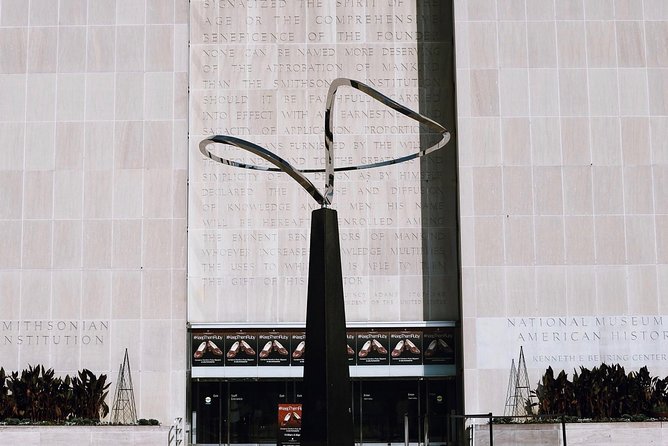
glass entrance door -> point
(209, 409)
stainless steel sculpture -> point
(327, 404)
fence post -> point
(491, 430)
(563, 429)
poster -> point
(241, 349)
(273, 349)
(297, 347)
(372, 348)
(406, 348)
(289, 424)
(207, 350)
(439, 346)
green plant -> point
(89, 393)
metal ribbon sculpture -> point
(325, 199)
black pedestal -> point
(327, 400)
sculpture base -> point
(327, 398)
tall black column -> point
(327, 400)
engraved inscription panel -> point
(260, 70)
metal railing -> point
(175, 431)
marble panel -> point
(12, 134)
(72, 12)
(579, 237)
(100, 89)
(544, 92)
(636, 142)
(130, 11)
(10, 244)
(490, 292)
(127, 201)
(549, 239)
(573, 94)
(482, 40)
(519, 241)
(66, 295)
(158, 143)
(156, 243)
(660, 177)
(569, 10)
(656, 9)
(130, 51)
(577, 186)
(512, 38)
(581, 290)
(659, 139)
(12, 93)
(14, 13)
(159, 48)
(126, 294)
(11, 206)
(628, 10)
(658, 91)
(67, 243)
(37, 246)
(98, 187)
(40, 139)
(661, 225)
(96, 294)
(156, 294)
(100, 48)
(70, 103)
(601, 49)
(541, 38)
(550, 290)
(514, 92)
(630, 44)
(128, 145)
(511, 9)
(42, 50)
(71, 49)
(640, 239)
(128, 96)
(611, 290)
(484, 93)
(656, 34)
(575, 141)
(638, 195)
(15, 59)
(98, 134)
(67, 194)
(571, 44)
(610, 240)
(517, 190)
(547, 189)
(489, 248)
(642, 289)
(10, 295)
(481, 9)
(127, 237)
(515, 141)
(599, 9)
(38, 194)
(97, 244)
(605, 142)
(36, 295)
(158, 96)
(487, 190)
(603, 92)
(540, 10)
(545, 141)
(633, 99)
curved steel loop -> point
(281, 164)
(297, 174)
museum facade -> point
(542, 224)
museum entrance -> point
(384, 410)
